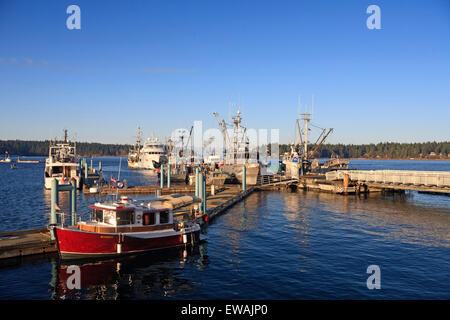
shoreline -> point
(409, 159)
(125, 156)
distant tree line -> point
(40, 148)
(383, 150)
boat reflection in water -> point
(151, 275)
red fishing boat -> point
(122, 227)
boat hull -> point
(75, 244)
(48, 181)
(252, 172)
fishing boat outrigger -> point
(122, 227)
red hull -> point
(76, 243)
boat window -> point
(98, 215)
(56, 169)
(109, 217)
(164, 217)
(124, 217)
(149, 218)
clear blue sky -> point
(164, 64)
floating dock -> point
(26, 242)
(217, 203)
(400, 180)
(348, 182)
(142, 190)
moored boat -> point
(122, 227)
(62, 163)
(7, 158)
(150, 156)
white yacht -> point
(151, 156)
(62, 163)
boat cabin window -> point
(57, 169)
(98, 215)
(124, 217)
(149, 218)
(118, 218)
(164, 217)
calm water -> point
(273, 245)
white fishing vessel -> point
(62, 163)
(151, 156)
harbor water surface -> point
(272, 245)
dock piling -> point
(197, 181)
(204, 192)
(200, 189)
(168, 176)
(244, 178)
(85, 171)
(73, 202)
(301, 165)
(53, 202)
(161, 176)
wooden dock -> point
(218, 203)
(175, 189)
(316, 182)
(25, 242)
(426, 181)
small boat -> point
(122, 227)
(7, 158)
(13, 166)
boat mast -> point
(306, 117)
(237, 125)
(137, 147)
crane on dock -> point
(311, 153)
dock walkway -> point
(185, 189)
(428, 181)
(218, 203)
(25, 242)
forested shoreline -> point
(382, 150)
(40, 148)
